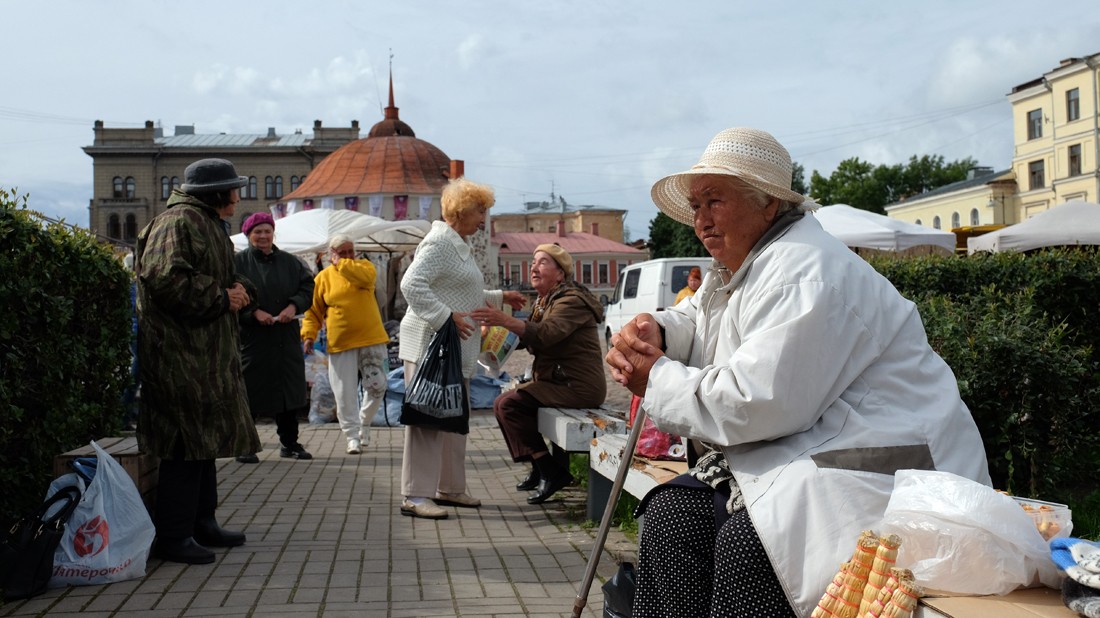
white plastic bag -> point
(109, 535)
(961, 537)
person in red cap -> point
(695, 279)
(271, 356)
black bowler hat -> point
(211, 176)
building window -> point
(1073, 105)
(249, 191)
(1035, 174)
(295, 182)
(278, 186)
(114, 230)
(1035, 124)
(586, 273)
(936, 222)
(595, 229)
(553, 228)
(269, 187)
(117, 186)
(603, 274)
(130, 233)
(917, 222)
(956, 220)
(175, 182)
(974, 219)
(165, 187)
(131, 187)
(1075, 160)
(515, 275)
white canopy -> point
(1072, 223)
(307, 232)
(861, 228)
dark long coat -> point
(193, 399)
(274, 368)
(565, 341)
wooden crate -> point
(142, 468)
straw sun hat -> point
(752, 155)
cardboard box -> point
(1027, 603)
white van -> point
(647, 287)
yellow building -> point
(545, 217)
(1056, 128)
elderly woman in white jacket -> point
(807, 376)
(444, 281)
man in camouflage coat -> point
(194, 407)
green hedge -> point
(64, 347)
(1021, 333)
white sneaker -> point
(354, 448)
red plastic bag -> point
(652, 442)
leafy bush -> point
(64, 347)
(1019, 330)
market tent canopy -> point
(861, 228)
(1072, 223)
(308, 232)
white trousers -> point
(344, 371)
(433, 461)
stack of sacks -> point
(1080, 560)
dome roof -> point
(389, 160)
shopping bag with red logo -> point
(109, 534)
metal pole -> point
(609, 512)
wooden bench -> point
(604, 457)
(141, 467)
(571, 430)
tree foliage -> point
(861, 184)
(64, 347)
(669, 238)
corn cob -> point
(886, 554)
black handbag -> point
(27, 548)
(436, 396)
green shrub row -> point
(64, 347)
(1022, 334)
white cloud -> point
(470, 50)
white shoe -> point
(426, 509)
(354, 447)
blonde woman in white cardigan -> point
(444, 281)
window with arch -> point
(175, 182)
(269, 187)
(116, 186)
(249, 190)
(936, 222)
(165, 187)
(278, 186)
(974, 218)
(295, 182)
(956, 221)
(114, 229)
(918, 222)
(129, 234)
(131, 187)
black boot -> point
(552, 478)
(186, 551)
(210, 534)
(532, 480)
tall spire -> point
(391, 110)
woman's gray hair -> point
(761, 197)
(339, 239)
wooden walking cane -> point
(608, 512)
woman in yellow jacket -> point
(343, 300)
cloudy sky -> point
(592, 101)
